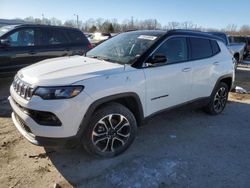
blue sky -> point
(209, 13)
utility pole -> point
(155, 24)
(77, 20)
(42, 18)
(132, 22)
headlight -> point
(60, 92)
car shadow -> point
(169, 150)
(5, 109)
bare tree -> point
(245, 30)
(55, 21)
(70, 23)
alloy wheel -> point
(220, 99)
(111, 133)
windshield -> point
(6, 29)
(123, 48)
(238, 39)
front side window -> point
(200, 48)
(175, 50)
(24, 37)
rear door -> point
(79, 44)
(51, 43)
(204, 65)
(169, 84)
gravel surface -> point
(180, 148)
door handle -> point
(186, 69)
(216, 63)
(32, 52)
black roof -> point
(195, 33)
(178, 32)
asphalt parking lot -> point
(179, 148)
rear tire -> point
(218, 99)
(110, 132)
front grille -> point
(23, 89)
(22, 123)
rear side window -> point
(56, 37)
(215, 47)
(77, 37)
(50, 37)
(200, 48)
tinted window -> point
(238, 39)
(201, 48)
(24, 37)
(45, 37)
(175, 50)
(77, 37)
(248, 38)
(56, 37)
(215, 47)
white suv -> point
(100, 99)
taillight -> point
(90, 46)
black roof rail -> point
(43, 25)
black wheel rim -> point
(220, 100)
(111, 133)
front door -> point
(20, 51)
(169, 84)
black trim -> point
(223, 77)
(159, 97)
(57, 142)
(196, 102)
(34, 113)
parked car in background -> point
(237, 49)
(98, 38)
(22, 45)
(99, 100)
(248, 45)
(243, 40)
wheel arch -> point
(227, 79)
(130, 100)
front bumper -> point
(70, 112)
(42, 141)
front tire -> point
(111, 131)
(218, 99)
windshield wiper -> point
(104, 59)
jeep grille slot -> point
(23, 89)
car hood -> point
(67, 70)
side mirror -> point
(4, 42)
(157, 58)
